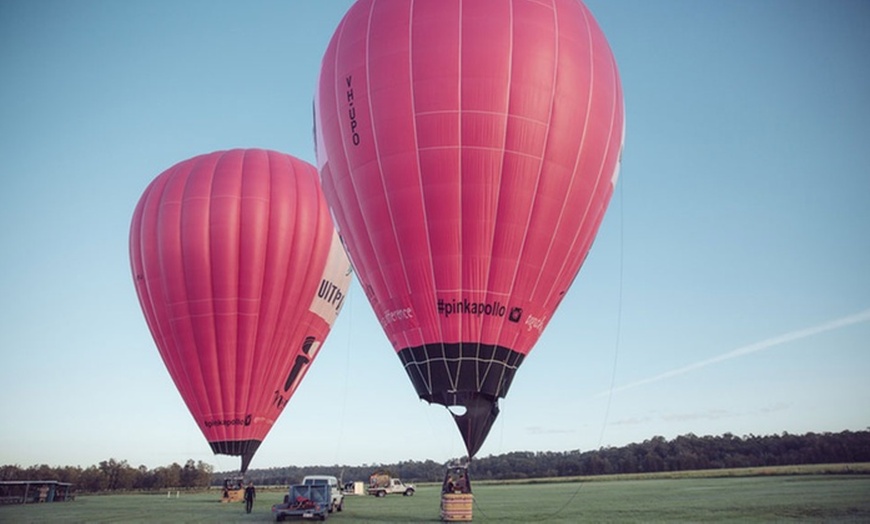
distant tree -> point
(204, 473)
(69, 474)
(93, 480)
(9, 472)
(170, 476)
(144, 479)
(189, 474)
(119, 475)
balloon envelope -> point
(468, 151)
(240, 275)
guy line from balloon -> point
(769, 343)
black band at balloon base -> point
(470, 375)
(243, 448)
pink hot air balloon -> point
(468, 151)
(240, 274)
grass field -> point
(804, 498)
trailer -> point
(307, 501)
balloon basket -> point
(233, 495)
(456, 507)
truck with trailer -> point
(306, 501)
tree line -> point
(684, 453)
(658, 454)
(112, 475)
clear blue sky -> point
(728, 290)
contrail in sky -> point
(857, 318)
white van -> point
(334, 489)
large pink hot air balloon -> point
(240, 274)
(468, 150)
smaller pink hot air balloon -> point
(240, 275)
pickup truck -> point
(308, 501)
(383, 485)
(337, 494)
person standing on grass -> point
(250, 495)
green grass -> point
(804, 469)
(804, 498)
